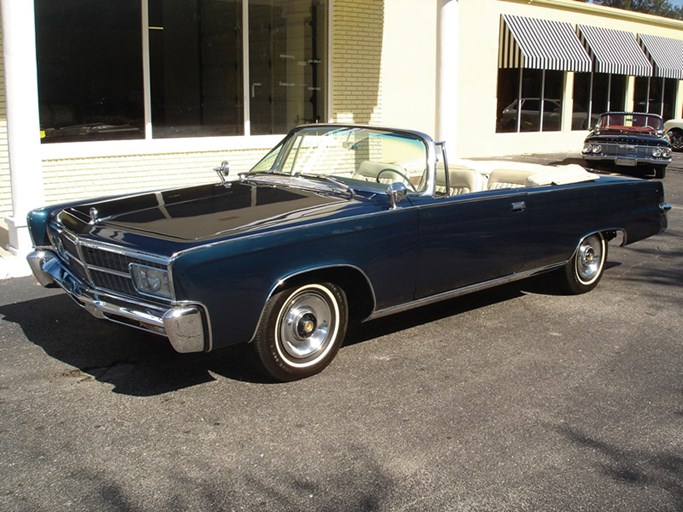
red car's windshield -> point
(630, 122)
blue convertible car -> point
(337, 223)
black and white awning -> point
(665, 54)
(540, 44)
(614, 51)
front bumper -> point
(185, 325)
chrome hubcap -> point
(589, 261)
(306, 325)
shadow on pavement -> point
(141, 364)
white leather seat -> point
(508, 178)
(368, 171)
(460, 181)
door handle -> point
(519, 206)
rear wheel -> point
(585, 268)
(301, 330)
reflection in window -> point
(195, 66)
(608, 93)
(655, 96)
(536, 107)
(90, 67)
(286, 66)
(89, 58)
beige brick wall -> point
(5, 186)
(357, 29)
(77, 178)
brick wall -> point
(5, 185)
(357, 27)
(77, 178)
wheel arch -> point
(360, 295)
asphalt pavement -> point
(517, 398)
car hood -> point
(205, 213)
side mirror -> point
(223, 170)
(397, 192)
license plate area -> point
(625, 162)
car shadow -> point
(133, 362)
(140, 364)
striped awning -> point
(614, 51)
(540, 44)
(665, 54)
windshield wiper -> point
(329, 179)
(290, 179)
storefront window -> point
(656, 96)
(195, 67)
(608, 93)
(536, 107)
(286, 71)
(91, 67)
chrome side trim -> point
(451, 294)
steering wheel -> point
(405, 178)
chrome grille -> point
(627, 150)
(99, 266)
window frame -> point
(150, 145)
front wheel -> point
(660, 172)
(585, 268)
(301, 330)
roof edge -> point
(612, 12)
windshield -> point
(629, 122)
(356, 156)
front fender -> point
(234, 279)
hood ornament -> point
(93, 215)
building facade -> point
(102, 97)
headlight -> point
(656, 152)
(150, 280)
(666, 152)
(597, 148)
(587, 148)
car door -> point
(557, 219)
(469, 238)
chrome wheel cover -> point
(589, 259)
(307, 326)
(676, 140)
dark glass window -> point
(89, 69)
(539, 105)
(656, 96)
(286, 63)
(92, 83)
(608, 93)
(582, 101)
(196, 67)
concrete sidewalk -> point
(10, 265)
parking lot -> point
(517, 398)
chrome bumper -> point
(626, 161)
(184, 324)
